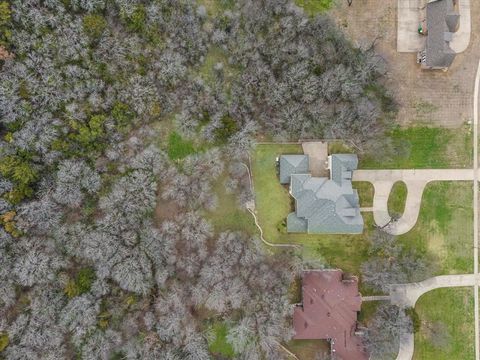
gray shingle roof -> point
(292, 164)
(441, 22)
(296, 224)
(326, 205)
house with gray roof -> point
(442, 20)
(322, 205)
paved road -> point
(415, 180)
(475, 207)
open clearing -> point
(446, 330)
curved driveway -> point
(406, 295)
(415, 180)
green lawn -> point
(313, 7)
(397, 198)
(424, 147)
(179, 148)
(365, 192)
(444, 230)
(218, 344)
(308, 349)
(447, 325)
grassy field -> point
(228, 215)
(444, 230)
(447, 325)
(313, 7)
(216, 7)
(179, 148)
(423, 147)
(397, 198)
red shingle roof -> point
(329, 311)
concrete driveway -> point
(415, 180)
(409, 17)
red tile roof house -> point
(329, 311)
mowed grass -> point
(397, 198)
(444, 230)
(424, 147)
(453, 309)
(365, 192)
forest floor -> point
(432, 98)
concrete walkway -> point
(415, 180)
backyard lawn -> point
(309, 349)
(447, 325)
(313, 7)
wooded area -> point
(88, 269)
